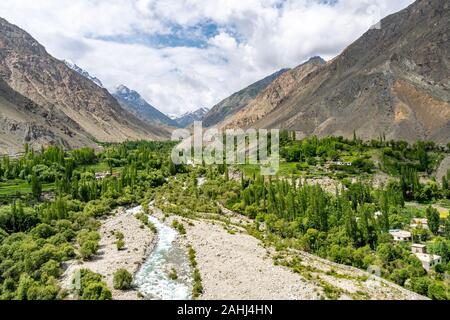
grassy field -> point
(286, 169)
(443, 206)
(99, 167)
(13, 187)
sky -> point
(181, 55)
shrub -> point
(120, 244)
(88, 241)
(173, 274)
(88, 249)
(119, 235)
(420, 285)
(437, 291)
(144, 219)
(197, 289)
(66, 251)
(43, 231)
(96, 208)
(122, 279)
(179, 227)
(48, 292)
(86, 235)
(91, 286)
(96, 291)
(51, 268)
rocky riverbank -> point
(139, 242)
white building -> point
(401, 235)
(428, 260)
(101, 175)
(418, 248)
(343, 164)
(378, 214)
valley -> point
(239, 236)
(95, 206)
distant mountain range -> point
(133, 102)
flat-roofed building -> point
(428, 260)
(418, 248)
(401, 235)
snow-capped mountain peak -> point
(127, 94)
(83, 72)
(196, 113)
(172, 116)
(132, 101)
(190, 117)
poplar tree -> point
(36, 187)
(433, 220)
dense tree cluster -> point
(37, 234)
(349, 228)
(337, 150)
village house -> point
(378, 214)
(418, 248)
(343, 164)
(428, 260)
(401, 235)
(419, 223)
(103, 175)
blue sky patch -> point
(196, 36)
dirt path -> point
(138, 241)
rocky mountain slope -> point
(23, 121)
(393, 81)
(189, 118)
(275, 94)
(44, 101)
(134, 103)
(237, 101)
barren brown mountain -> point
(233, 104)
(393, 81)
(43, 101)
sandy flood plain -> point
(236, 266)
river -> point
(152, 280)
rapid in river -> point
(152, 279)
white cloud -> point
(254, 39)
